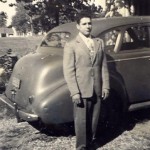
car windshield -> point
(55, 39)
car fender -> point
(117, 85)
(56, 108)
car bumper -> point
(20, 115)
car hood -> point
(34, 77)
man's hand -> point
(105, 94)
(76, 99)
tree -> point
(45, 14)
(21, 20)
(3, 19)
(3, 1)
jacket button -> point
(92, 73)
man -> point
(122, 9)
(86, 74)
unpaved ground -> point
(134, 135)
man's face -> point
(118, 4)
(85, 26)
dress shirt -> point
(89, 43)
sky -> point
(11, 10)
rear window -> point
(55, 39)
(136, 37)
(109, 38)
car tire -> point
(111, 111)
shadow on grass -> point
(104, 136)
(66, 129)
(127, 124)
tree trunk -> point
(31, 23)
(57, 16)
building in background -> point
(135, 7)
(6, 32)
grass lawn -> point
(19, 45)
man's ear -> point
(77, 25)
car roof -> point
(102, 24)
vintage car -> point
(37, 89)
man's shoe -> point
(93, 145)
(82, 148)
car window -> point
(55, 39)
(109, 39)
(136, 37)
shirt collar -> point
(87, 40)
(84, 38)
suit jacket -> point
(82, 75)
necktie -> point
(90, 45)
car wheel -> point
(111, 111)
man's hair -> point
(83, 14)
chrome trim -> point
(138, 106)
(22, 114)
(125, 59)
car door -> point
(131, 54)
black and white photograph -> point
(74, 75)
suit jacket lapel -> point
(83, 45)
(85, 49)
(96, 46)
